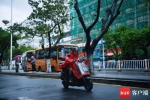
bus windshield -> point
(64, 50)
(29, 54)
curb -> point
(106, 80)
(124, 82)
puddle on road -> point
(23, 98)
(28, 88)
(33, 88)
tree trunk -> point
(47, 56)
(111, 13)
(48, 65)
(90, 60)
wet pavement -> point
(129, 78)
(35, 88)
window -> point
(29, 54)
(39, 54)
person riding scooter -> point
(70, 58)
(74, 71)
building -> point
(133, 13)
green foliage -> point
(113, 40)
(21, 49)
(46, 17)
(131, 41)
(4, 39)
(139, 53)
(49, 10)
(5, 42)
(145, 34)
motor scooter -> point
(69, 78)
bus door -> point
(60, 54)
(53, 60)
(28, 59)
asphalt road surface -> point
(32, 88)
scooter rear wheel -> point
(88, 85)
(65, 84)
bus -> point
(58, 54)
(25, 60)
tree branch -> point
(115, 15)
(79, 15)
(97, 16)
(107, 22)
(46, 53)
(60, 36)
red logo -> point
(124, 92)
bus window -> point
(29, 54)
(40, 54)
(53, 54)
(63, 51)
(26, 66)
(37, 55)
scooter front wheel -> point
(88, 85)
(65, 84)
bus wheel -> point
(53, 69)
(40, 70)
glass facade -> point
(132, 13)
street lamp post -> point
(6, 22)
(11, 37)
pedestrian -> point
(33, 63)
(17, 65)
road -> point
(32, 88)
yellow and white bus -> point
(58, 54)
(25, 60)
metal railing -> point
(125, 64)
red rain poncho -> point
(70, 61)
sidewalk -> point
(126, 78)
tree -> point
(48, 17)
(112, 43)
(111, 14)
(5, 41)
(134, 39)
(129, 42)
(125, 38)
(133, 42)
(144, 41)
